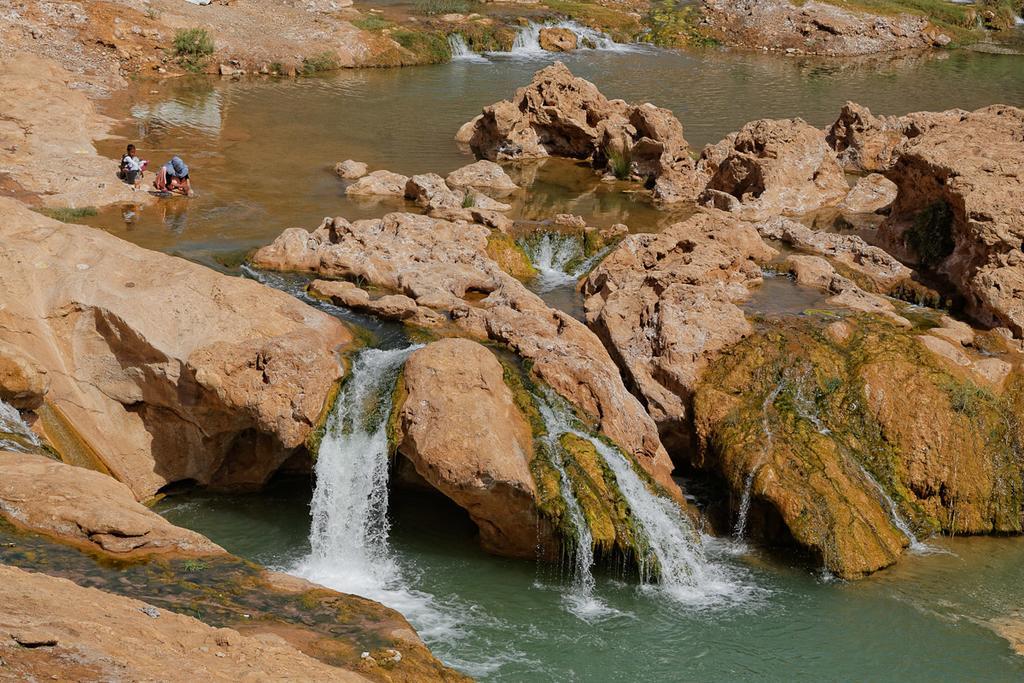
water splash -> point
(740, 528)
(461, 51)
(556, 256)
(15, 435)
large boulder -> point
(169, 371)
(815, 27)
(378, 184)
(430, 191)
(960, 208)
(559, 114)
(447, 266)
(88, 509)
(771, 167)
(459, 425)
(665, 303)
(556, 39)
(482, 175)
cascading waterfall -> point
(559, 259)
(740, 528)
(675, 560)
(349, 532)
(460, 50)
(527, 41)
(15, 435)
(894, 511)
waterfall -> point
(552, 254)
(15, 435)
(460, 50)
(675, 560)
(740, 528)
(527, 41)
(349, 532)
(894, 511)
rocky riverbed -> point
(630, 425)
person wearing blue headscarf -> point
(173, 177)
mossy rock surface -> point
(510, 257)
(845, 439)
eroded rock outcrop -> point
(446, 266)
(378, 184)
(459, 425)
(772, 167)
(960, 208)
(810, 419)
(169, 371)
(665, 303)
(814, 27)
(559, 114)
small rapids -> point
(460, 50)
(527, 42)
(15, 435)
(559, 259)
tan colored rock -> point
(88, 509)
(559, 114)
(814, 271)
(350, 170)
(872, 193)
(48, 130)
(445, 266)
(557, 40)
(482, 175)
(429, 191)
(168, 370)
(960, 208)
(379, 184)
(994, 371)
(460, 427)
(774, 167)
(665, 303)
(465, 133)
(815, 27)
(22, 383)
(954, 331)
(390, 306)
(479, 200)
(848, 250)
(53, 628)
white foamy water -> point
(11, 423)
(350, 527)
(551, 253)
(460, 50)
(740, 529)
(527, 42)
(676, 565)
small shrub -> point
(931, 236)
(434, 7)
(967, 398)
(192, 566)
(69, 215)
(469, 201)
(192, 46)
(322, 61)
(618, 164)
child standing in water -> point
(173, 177)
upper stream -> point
(261, 154)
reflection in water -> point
(262, 163)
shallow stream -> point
(261, 153)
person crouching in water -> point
(173, 177)
(132, 168)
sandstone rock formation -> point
(559, 114)
(379, 184)
(445, 266)
(960, 208)
(53, 628)
(482, 175)
(88, 509)
(873, 192)
(665, 303)
(429, 191)
(815, 428)
(815, 27)
(557, 40)
(169, 371)
(350, 170)
(22, 384)
(814, 271)
(772, 167)
(459, 425)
